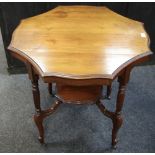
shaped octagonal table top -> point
(80, 42)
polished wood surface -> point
(81, 48)
(79, 94)
(80, 42)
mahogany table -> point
(80, 48)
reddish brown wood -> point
(104, 110)
(106, 52)
(117, 119)
(83, 81)
(116, 116)
(39, 119)
(39, 123)
(40, 114)
(36, 97)
(50, 111)
(35, 89)
(78, 94)
(86, 32)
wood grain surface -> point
(80, 42)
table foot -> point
(39, 123)
(114, 147)
(117, 123)
(41, 140)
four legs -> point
(115, 116)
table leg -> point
(117, 119)
(50, 89)
(40, 114)
(109, 88)
(116, 116)
(36, 97)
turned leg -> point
(117, 118)
(36, 98)
(109, 88)
(38, 116)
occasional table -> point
(81, 49)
